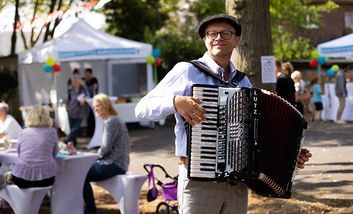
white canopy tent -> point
(340, 47)
(114, 61)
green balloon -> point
(150, 60)
(50, 61)
(335, 67)
(314, 55)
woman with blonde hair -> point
(114, 152)
(301, 92)
(37, 149)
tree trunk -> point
(47, 30)
(14, 32)
(35, 10)
(57, 20)
(256, 39)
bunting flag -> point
(45, 19)
(100, 4)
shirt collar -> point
(206, 58)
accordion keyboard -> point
(218, 143)
(204, 135)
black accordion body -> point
(249, 135)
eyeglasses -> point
(224, 34)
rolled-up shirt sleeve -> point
(158, 103)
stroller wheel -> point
(164, 208)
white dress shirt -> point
(158, 103)
(10, 127)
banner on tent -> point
(98, 52)
(333, 50)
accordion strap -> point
(204, 68)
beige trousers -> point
(200, 197)
(342, 104)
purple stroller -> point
(169, 190)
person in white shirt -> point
(9, 127)
(221, 34)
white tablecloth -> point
(330, 103)
(66, 195)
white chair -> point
(24, 201)
(125, 190)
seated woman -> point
(37, 148)
(114, 152)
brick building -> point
(335, 24)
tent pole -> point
(53, 97)
(155, 76)
(319, 73)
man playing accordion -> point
(221, 34)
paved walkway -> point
(329, 174)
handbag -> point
(152, 193)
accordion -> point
(249, 135)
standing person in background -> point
(278, 64)
(316, 98)
(37, 149)
(114, 152)
(220, 34)
(91, 82)
(92, 85)
(341, 93)
(77, 108)
(75, 72)
(301, 92)
(285, 84)
(9, 127)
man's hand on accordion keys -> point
(303, 157)
(190, 108)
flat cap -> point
(219, 18)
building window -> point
(309, 24)
(348, 19)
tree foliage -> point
(178, 39)
(2, 4)
(203, 8)
(289, 20)
(132, 19)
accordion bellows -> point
(249, 135)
